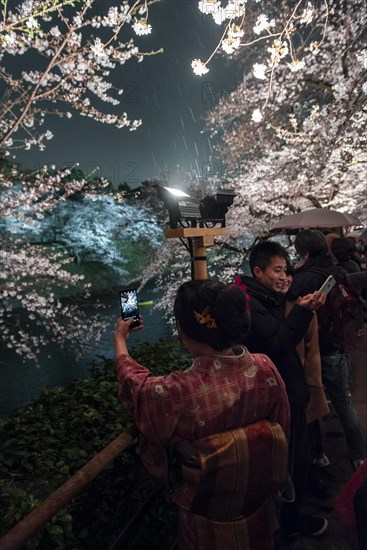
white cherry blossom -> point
(142, 27)
(199, 67)
(256, 115)
(262, 24)
(259, 70)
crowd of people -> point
(238, 436)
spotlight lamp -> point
(184, 211)
(197, 222)
(214, 207)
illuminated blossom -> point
(235, 32)
(296, 65)
(256, 116)
(278, 51)
(199, 67)
(307, 14)
(229, 45)
(283, 29)
(259, 71)
(32, 23)
(263, 24)
(304, 146)
(35, 276)
(142, 27)
(362, 58)
(209, 6)
(219, 16)
(55, 31)
(315, 48)
(78, 70)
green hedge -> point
(46, 442)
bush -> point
(46, 442)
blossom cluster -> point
(278, 33)
(76, 46)
(74, 66)
(309, 151)
(48, 240)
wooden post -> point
(199, 239)
(35, 520)
(200, 271)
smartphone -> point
(129, 306)
(328, 285)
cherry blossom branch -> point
(33, 95)
(130, 12)
(18, 24)
(230, 41)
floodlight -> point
(183, 210)
(214, 207)
(175, 192)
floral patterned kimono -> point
(226, 419)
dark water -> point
(22, 382)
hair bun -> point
(212, 312)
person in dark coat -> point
(276, 335)
(345, 250)
(358, 280)
(312, 249)
(316, 266)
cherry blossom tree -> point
(47, 247)
(292, 135)
(279, 26)
(74, 67)
(95, 229)
(308, 148)
(76, 45)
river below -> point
(21, 382)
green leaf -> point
(55, 530)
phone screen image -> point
(129, 305)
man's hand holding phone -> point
(313, 301)
(318, 298)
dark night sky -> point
(164, 92)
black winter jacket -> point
(306, 281)
(276, 335)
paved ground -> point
(340, 470)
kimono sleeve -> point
(151, 399)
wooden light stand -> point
(199, 239)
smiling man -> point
(276, 335)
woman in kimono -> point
(223, 422)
